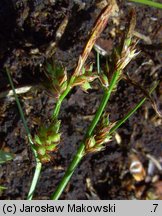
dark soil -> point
(27, 30)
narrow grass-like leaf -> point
(38, 163)
(98, 63)
(148, 3)
(130, 113)
(2, 188)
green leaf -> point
(85, 86)
(149, 3)
(2, 188)
(37, 140)
(5, 156)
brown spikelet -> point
(96, 31)
(97, 142)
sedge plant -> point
(48, 137)
(59, 85)
(95, 140)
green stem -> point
(61, 98)
(18, 105)
(69, 172)
(59, 102)
(80, 152)
(98, 62)
(103, 103)
(38, 163)
(149, 3)
(35, 180)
